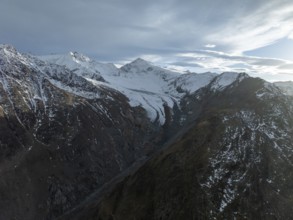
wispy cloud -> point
(210, 45)
(214, 61)
(261, 27)
(112, 30)
(268, 68)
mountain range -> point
(82, 139)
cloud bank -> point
(116, 31)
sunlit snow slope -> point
(144, 84)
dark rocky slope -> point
(235, 162)
(57, 146)
(76, 136)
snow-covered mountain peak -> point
(190, 83)
(138, 65)
(143, 83)
(70, 60)
(82, 64)
(8, 51)
(140, 62)
(286, 87)
(65, 132)
(7, 47)
(78, 58)
(232, 75)
(227, 78)
(142, 67)
(10, 57)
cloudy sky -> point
(255, 36)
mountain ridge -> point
(70, 124)
(233, 163)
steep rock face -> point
(235, 162)
(286, 87)
(70, 127)
(61, 136)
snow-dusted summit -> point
(71, 128)
(151, 87)
(145, 84)
(286, 87)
